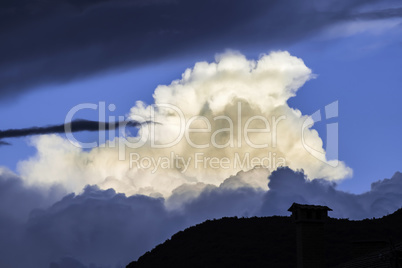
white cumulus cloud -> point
(220, 118)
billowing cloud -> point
(219, 119)
(101, 228)
(58, 41)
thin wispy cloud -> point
(4, 143)
(74, 126)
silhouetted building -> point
(310, 221)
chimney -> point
(310, 221)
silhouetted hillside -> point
(266, 242)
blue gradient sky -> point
(362, 71)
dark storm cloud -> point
(100, 228)
(56, 41)
(17, 201)
(97, 227)
(74, 126)
(287, 186)
(16, 204)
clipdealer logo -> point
(241, 136)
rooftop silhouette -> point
(273, 242)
